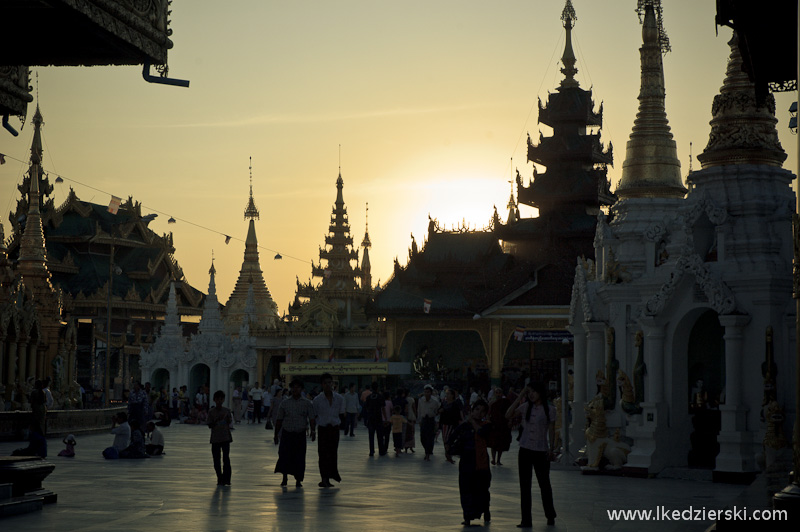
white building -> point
(703, 275)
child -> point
(69, 441)
(155, 438)
(397, 421)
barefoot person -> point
(469, 441)
(295, 413)
(329, 409)
(535, 453)
(220, 421)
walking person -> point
(500, 437)
(220, 421)
(237, 404)
(373, 417)
(428, 408)
(329, 409)
(256, 394)
(536, 449)
(411, 415)
(469, 441)
(295, 414)
(450, 416)
(351, 409)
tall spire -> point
(742, 131)
(513, 210)
(568, 18)
(32, 251)
(366, 267)
(211, 322)
(171, 320)
(251, 211)
(250, 273)
(651, 167)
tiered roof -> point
(575, 158)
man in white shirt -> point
(328, 409)
(256, 394)
(427, 409)
(122, 435)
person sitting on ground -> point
(122, 435)
(155, 440)
(136, 448)
(70, 442)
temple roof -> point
(461, 272)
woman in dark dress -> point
(469, 441)
(450, 416)
(500, 437)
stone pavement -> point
(179, 492)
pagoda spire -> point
(250, 272)
(742, 130)
(366, 267)
(651, 167)
(568, 18)
(211, 322)
(513, 210)
(171, 320)
(251, 211)
(32, 251)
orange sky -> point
(428, 100)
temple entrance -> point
(200, 375)
(706, 384)
(160, 379)
(456, 358)
(239, 378)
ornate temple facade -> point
(77, 245)
(689, 307)
(327, 321)
(515, 276)
(211, 357)
(37, 333)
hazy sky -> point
(429, 101)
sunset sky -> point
(429, 101)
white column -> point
(736, 443)
(595, 354)
(654, 360)
(580, 379)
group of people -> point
(468, 431)
(132, 439)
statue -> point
(628, 399)
(612, 366)
(774, 440)
(614, 271)
(602, 383)
(639, 369)
(58, 372)
(598, 444)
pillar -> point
(391, 338)
(496, 352)
(11, 362)
(654, 360)
(595, 355)
(736, 444)
(22, 361)
(32, 366)
(577, 438)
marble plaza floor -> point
(179, 492)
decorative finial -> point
(568, 18)
(641, 9)
(366, 242)
(251, 211)
(690, 157)
(212, 270)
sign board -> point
(336, 368)
(546, 336)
